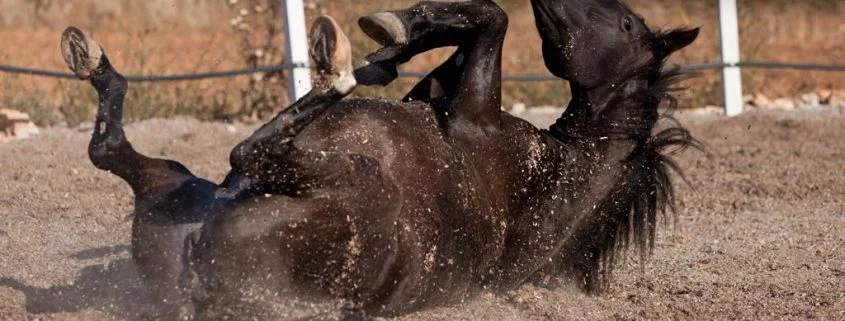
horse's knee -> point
(494, 17)
(240, 157)
(252, 159)
(106, 153)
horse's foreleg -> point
(440, 84)
(331, 51)
(470, 81)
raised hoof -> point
(82, 54)
(332, 53)
(385, 28)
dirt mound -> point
(760, 236)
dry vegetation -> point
(169, 36)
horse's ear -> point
(676, 40)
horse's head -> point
(587, 41)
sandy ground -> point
(760, 237)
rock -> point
(15, 125)
(761, 100)
(824, 96)
(710, 110)
(810, 100)
(518, 108)
(783, 103)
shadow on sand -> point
(113, 288)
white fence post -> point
(731, 76)
(296, 42)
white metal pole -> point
(731, 76)
(296, 42)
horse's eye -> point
(627, 24)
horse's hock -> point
(15, 125)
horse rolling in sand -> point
(348, 208)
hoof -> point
(385, 28)
(82, 54)
(332, 53)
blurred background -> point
(161, 37)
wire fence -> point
(164, 78)
(408, 74)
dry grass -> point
(165, 37)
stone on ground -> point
(15, 125)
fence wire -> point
(164, 78)
(407, 74)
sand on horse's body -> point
(398, 206)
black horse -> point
(383, 207)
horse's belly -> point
(449, 229)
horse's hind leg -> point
(109, 149)
(470, 81)
(336, 237)
(170, 202)
(331, 51)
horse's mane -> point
(652, 191)
(630, 211)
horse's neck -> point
(602, 128)
(626, 109)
